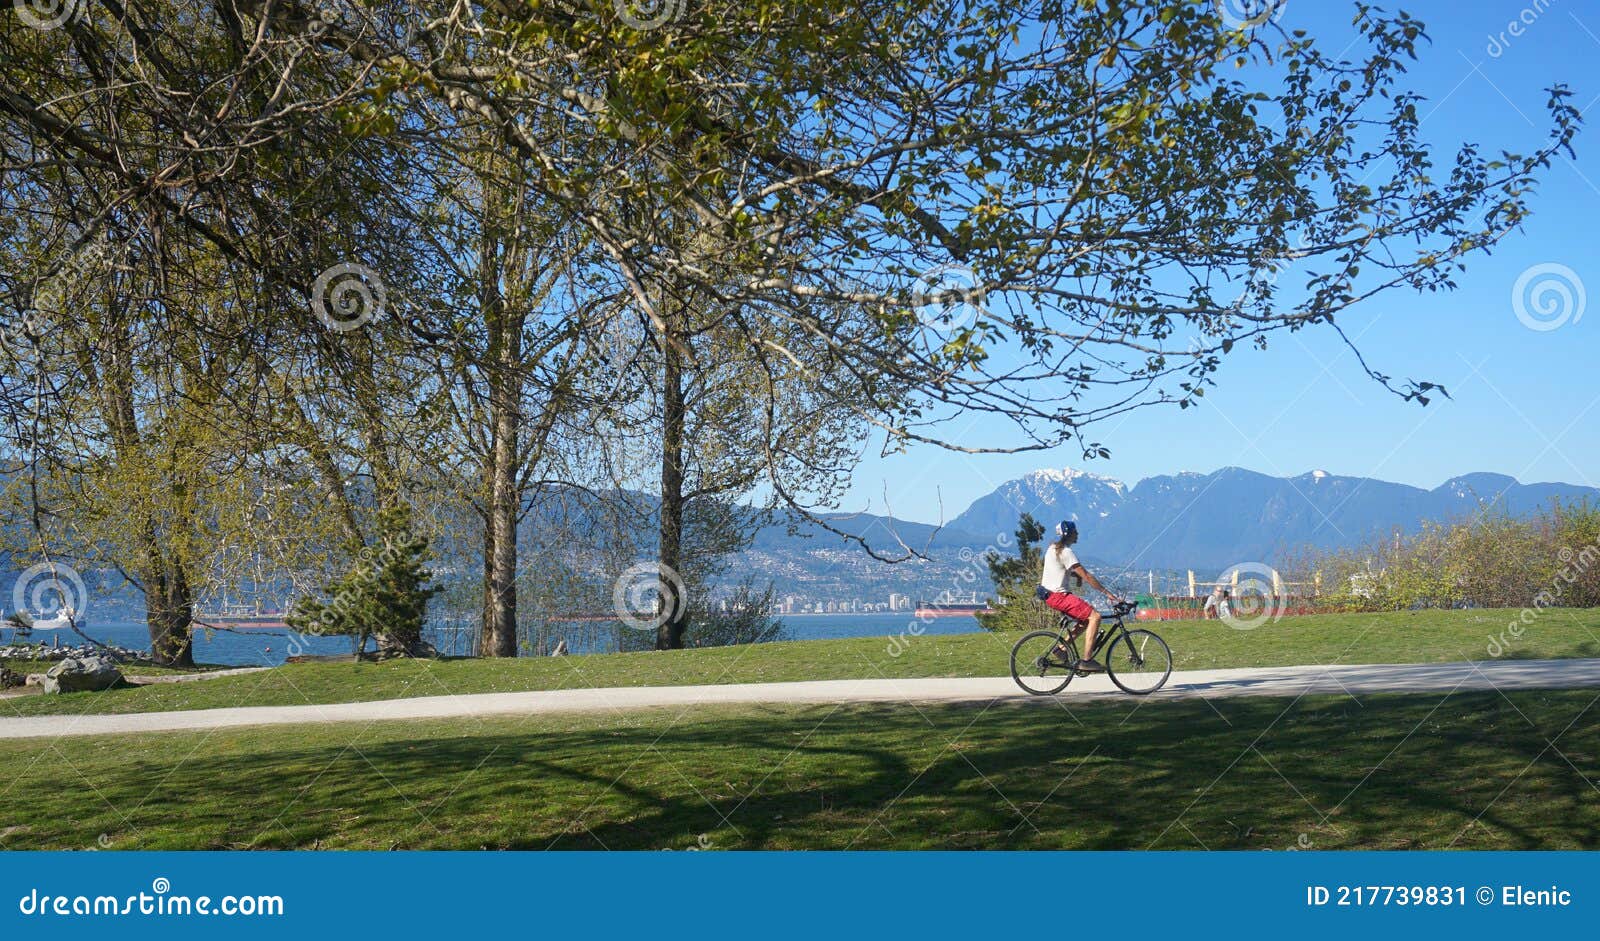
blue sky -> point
(1525, 402)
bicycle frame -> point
(1111, 626)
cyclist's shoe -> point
(1059, 657)
(1090, 666)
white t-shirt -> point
(1058, 564)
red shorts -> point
(1069, 604)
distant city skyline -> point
(896, 602)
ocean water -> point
(828, 626)
(272, 647)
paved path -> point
(1265, 681)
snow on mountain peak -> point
(1070, 476)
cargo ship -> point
(238, 617)
(950, 609)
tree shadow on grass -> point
(1261, 773)
(1586, 649)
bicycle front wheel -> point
(1139, 662)
(1038, 669)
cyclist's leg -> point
(1092, 624)
(1074, 611)
(1088, 622)
(1061, 651)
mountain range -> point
(1186, 520)
(1235, 515)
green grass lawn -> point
(1470, 770)
(1406, 637)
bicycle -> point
(1137, 660)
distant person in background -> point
(1213, 606)
(1060, 562)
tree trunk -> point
(169, 612)
(488, 625)
(500, 555)
(505, 395)
(674, 608)
(168, 600)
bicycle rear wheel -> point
(1139, 662)
(1034, 667)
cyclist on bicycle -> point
(1059, 562)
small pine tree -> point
(384, 595)
(1016, 607)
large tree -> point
(722, 433)
(1043, 213)
(1055, 212)
(516, 365)
(1117, 190)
